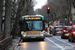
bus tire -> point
(24, 40)
(42, 39)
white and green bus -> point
(32, 26)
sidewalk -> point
(14, 43)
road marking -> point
(64, 42)
(55, 44)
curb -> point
(14, 44)
(17, 44)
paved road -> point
(49, 43)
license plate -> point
(33, 37)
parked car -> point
(71, 37)
(66, 31)
(57, 30)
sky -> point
(39, 4)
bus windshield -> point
(33, 25)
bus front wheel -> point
(42, 39)
(24, 40)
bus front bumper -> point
(33, 37)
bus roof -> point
(33, 16)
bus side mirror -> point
(21, 22)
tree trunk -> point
(15, 24)
(7, 28)
(1, 10)
(22, 8)
(18, 15)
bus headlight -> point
(24, 35)
(21, 32)
(41, 34)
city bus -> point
(32, 26)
